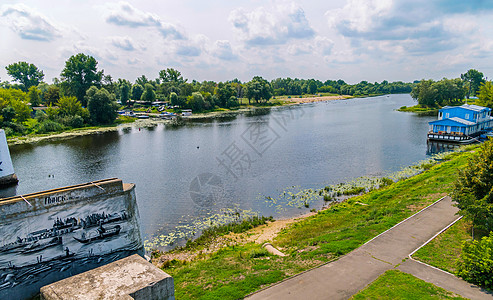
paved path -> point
(351, 273)
(444, 280)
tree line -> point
(84, 95)
(430, 93)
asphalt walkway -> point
(351, 273)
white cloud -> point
(123, 42)
(271, 26)
(222, 49)
(359, 15)
(29, 24)
(124, 14)
(320, 45)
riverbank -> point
(143, 123)
(241, 266)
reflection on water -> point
(435, 147)
(255, 155)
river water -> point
(190, 174)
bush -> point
(386, 182)
(256, 253)
(41, 116)
(16, 127)
(73, 121)
(476, 262)
(8, 132)
(49, 126)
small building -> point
(460, 123)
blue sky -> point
(354, 40)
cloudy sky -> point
(220, 40)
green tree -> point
(124, 87)
(101, 105)
(476, 262)
(449, 91)
(148, 95)
(196, 102)
(475, 78)
(81, 73)
(258, 89)
(142, 80)
(69, 106)
(173, 98)
(171, 75)
(223, 92)
(33, 96)
(312, 87)
(425, 93)
(137, 91)
(52, 95)
(473, 190)
(27, 75)
(18, 100)
(486, 94)
(8, 113)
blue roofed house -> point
(460, 123)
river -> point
(191, 173)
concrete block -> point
(129, 278)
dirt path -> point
(259, 235)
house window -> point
(467, 116)
(447, 115)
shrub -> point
(41, 116)
(16, 127)
(49, 126)
(476, 262)
(386, 182)
(73, 121)
(8, 132)
(256, 253)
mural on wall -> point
(54, 235)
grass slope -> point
(394, 284)
(236, 271)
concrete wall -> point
(129, 278)
(58, 233)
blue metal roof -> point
(475, 108)
(451, 122)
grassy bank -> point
(394, 284)
(238, 269)
(444, 251)
(420, 109)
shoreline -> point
(143, 123)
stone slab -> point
(129, 278)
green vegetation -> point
(473, 190)
(465, 249)
(394, 284)
(474, 78)
(476, 262)
(444, 250)
(420, 109)
(486, 94)
(431, 93)
(237, 270)
(209, 234)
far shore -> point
(143, 123)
